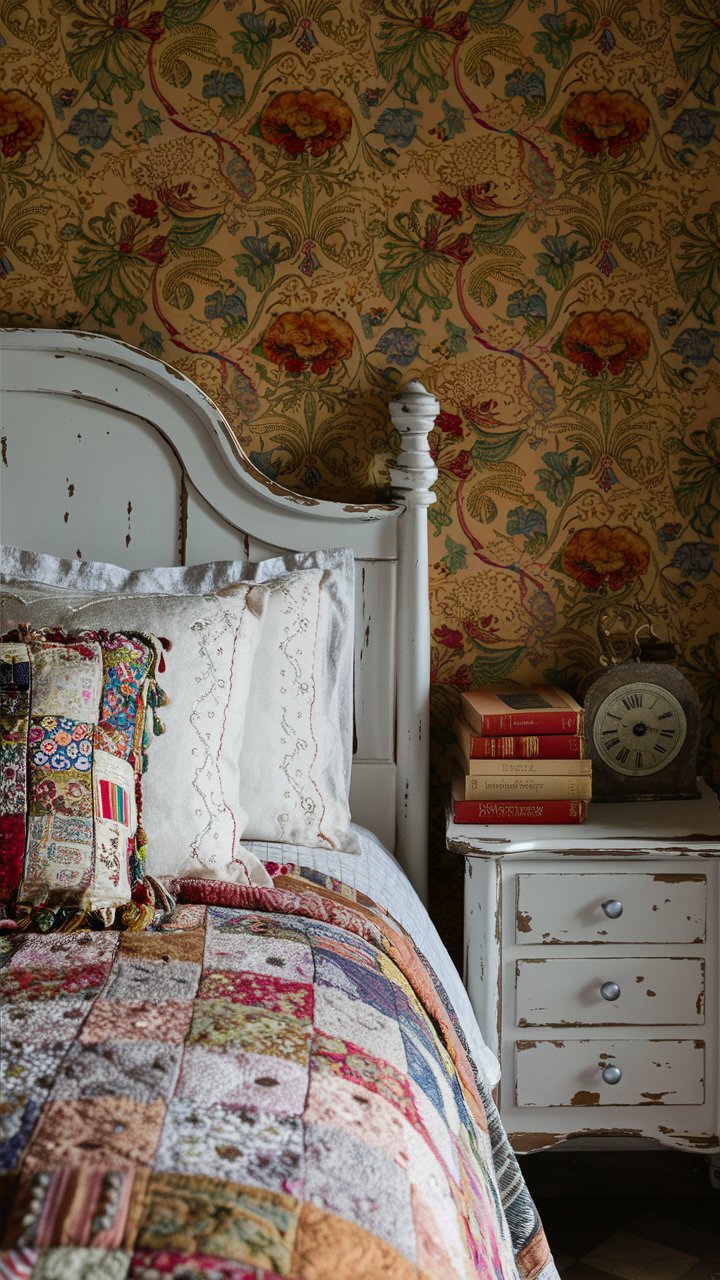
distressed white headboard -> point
(109, 454)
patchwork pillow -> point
(192, 809)
(72, 717)
(293, 763)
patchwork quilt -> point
(269, 1085)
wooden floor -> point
(639, 1216)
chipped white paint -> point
(566, 908)
(111, 455)
(539, 947)
(654, 1073)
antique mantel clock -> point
(642, 729)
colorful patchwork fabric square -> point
(73, 712)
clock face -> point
(639, 729)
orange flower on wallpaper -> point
(595, 339)
(21, 122)
(605, 556)
(595, 121)
(298, 339)
(305, 118)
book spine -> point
(525, 722)
(516, 768)
(528, 787)
(519, 812)
(557, 746)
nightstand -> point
(591, 960)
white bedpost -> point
(413, 415)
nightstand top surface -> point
(641, 827)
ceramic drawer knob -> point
(612, 1075)
(613, 909)
(610, 991)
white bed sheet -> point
(376, 873)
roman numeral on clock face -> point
(633, 701)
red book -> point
(551, 746)
(512, 813)
(512, 711)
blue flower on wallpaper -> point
(230, 307)
(667, 533)
(529, 522)
(696, 346)
(542, 394)
(226, 85)
(528, 305)
(368, 99)
(525, 84)
(543, 612)
(397, 125)
(694, 560)
(695, 126)
(452, 123)
(399, 346)
(245, 396)
(254, 38)
(91, 127)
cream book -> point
(516, 767)
(528, 787)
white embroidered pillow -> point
(297, 751)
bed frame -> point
(109, 454)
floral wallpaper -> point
(302, 204)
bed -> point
(267, 1066)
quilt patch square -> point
(275, 1086)
(64, 950)
(208, 1215)
(358, 982)
(140, 979)
(233, 1143)
(111, 1020)
(143, 1073)
(218, 1024)
(110, 1131)
(76, 982)
(278, 995)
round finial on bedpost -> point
(413, 414)
(414, 472)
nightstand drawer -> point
(610, 991)
(571, 906)
(652, 1073)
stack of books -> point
(521, 756)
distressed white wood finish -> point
(533, 905)
(654, 991)
(557, 1073)
(565, 909)
(412, 477)
(111, 455)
